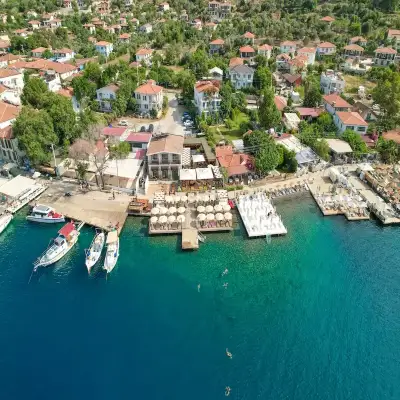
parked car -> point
(142, 128)
(123, 123)
(150, 128)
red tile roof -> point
(138, 137)
(218, 41)
(208, 86)
(103, 43)
(236, 61)
(113, 131)
(247, 49)
(143, 52)
(280, 102)
(337, 100)
(149, 88)
(327, 19)
(8, 112)
(307, 50)
(351, 118)
(386, 50)
(249, 35)
(265, 47)
(309, 111)
(235, 163)
(288, 43)
(353, 47)
(6, 133)
(326, 45)
(393, 32)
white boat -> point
(112, 251)
(4, 221)
(94, 252)
(61, 245)
(45, 214)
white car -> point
(123, 123)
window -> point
(176, 159)
(146, 107)
(144, 97)
(164, 158)
(138, 96)
(154, 158)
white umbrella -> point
(181, 218)
(177, 198)
(172, 210)
(201, 209)
(209, 209)
(218, 208)
(205, 198)
(169, 199)
(153, 220)
(171, 219)
(184, 199)
(226, 207)
(219, 217)
(212, 197)
(181, 210)
(210, 217)
(163, 210)
(155, 211)
(228, 216)
(201, 217)
(163, 219)
(192, 199)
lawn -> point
(354, 81)
(231, 130)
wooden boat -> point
(94, 252)
(5, 221)
(60, 246)
(112, 251)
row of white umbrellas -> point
(213, 217)
(164, 219)
(216, 208)
(165, 210)
(175, 199)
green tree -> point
(92, 72)
(321, 147)
(35, 133)
(355, 141)
(312, 93)
(388, 150)
(186, 80)
(263, 78)
(83, 88)
(35, 93)
(268, 113)
(47, 54)
(267, 158)
(226, 94)
(387, 95)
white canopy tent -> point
(17, 187)
(187, 174)
(204, 174)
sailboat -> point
(112, 251)
(61, 245)
(4, 221)
(95, 249)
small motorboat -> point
(94, 252)
(112, 251)
(5, 221)
(60, 246)
(45, 214)
(228, 353)
(227, 391)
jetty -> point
(189, 214)
(94, 208)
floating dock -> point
(190, 239)
(259, 216)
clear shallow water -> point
(313, 315)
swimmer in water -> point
(198, 287)
(227, 391)
(225, 285)
(225, 272)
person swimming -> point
(198, 287)
(225, 272)
(225, 285)
(227, 391)
(228, 353)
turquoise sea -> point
(313, 315)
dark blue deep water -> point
(313, 315)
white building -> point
(288, 47)
(350, 120)
(105, 97)
(334, 103)
(149, 97)
(144, 55)
(90, 27)
(63, 55)
(104, 48)
(206, 96)
(326, 49)
(34, 24)
(384, 56)
(394, 35)
(38, 53)
(291, 121)
(216, 74)
(9, 150)
(11, 78)
(265, 50)
(241, 76)
(163, 7)
(146, 28)
(332, 82)
(308, 52)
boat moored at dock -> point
(94, 252)
(112, 251)
(45, 214)
(5, 221)
(60, 246)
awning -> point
(198, 158)
(17, 186)
(187, 175)
(204, 174)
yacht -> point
(60, 246)
(94, 252)
(112, 251)
(45, 214)
(4, 221)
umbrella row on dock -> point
(163, 219)
(217, 208)
(167, 211)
